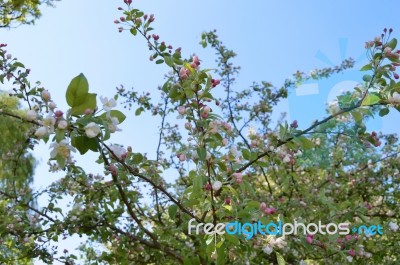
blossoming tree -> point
(231, 165)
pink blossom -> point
(182, 157)
(184, 73)
(181, 110)
(351, 252)
(270, 210)
(263, 206)
(195, 62)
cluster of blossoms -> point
(375, 139)
(267, 210)
(387, 52)
(55, 120)
(333, 107)
(279, 242)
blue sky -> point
(273, 39)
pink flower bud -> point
(58, 113)
(270, 210)
(151, 18)
(309, 239)
(116, 21)
(195, 61)
(206, 111)
(182, 157)
(228, 201)
(46, 95)
(351, 252)
(181, 110)
(112, 169)
(88, 111)
(184, 73)
(263, 206)
(52, 105)
(348, 237)
(207, 186)
(215, 82)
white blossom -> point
(118, 151)
(333, 106)
(349, 258)
(251, 131)
(286, 159)
(63, 124)
(92, 130)
(31, 115)
(268, 249)
(62, 148)
(217, 185)
(395, 98)
(393, 226)
(108, 104)
(49, 123)
(41, 132)
(113, 124)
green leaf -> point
(371, 99)
(172, 211)
(169, 60)
(253, 204)
(392, 43)
(89, 102)
(18, 64)
(133, 31)
(114, 113)
(79, 143)
(77, 91)
(357, 116)
(366, 67)
(233, 239)
(202, 153)
(159, 61)
(210, 239)
(246, 154)
(367, 78)
(197, 186)
(384, 112)
(280, 259)
(137, 158)
(84, 144)
(138, 111)
(304, 142)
